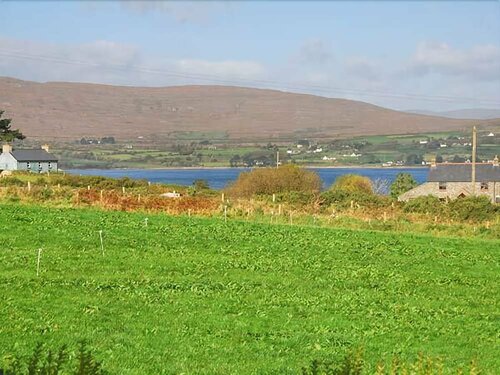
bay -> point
(218, 178)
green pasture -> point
(194, 295)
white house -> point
(37, 161)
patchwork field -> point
(192, 295)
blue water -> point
(218, 178)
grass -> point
(192, 295)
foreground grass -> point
(203, 296)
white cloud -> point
(199, 12)
(113, 63)
(480, 62)
(314, 51)
(363, 69)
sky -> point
(424, 55)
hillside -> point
(467, 113)
(72, 110)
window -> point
(442, 186)
(28, 165)
(39, 166)
(50, 165)
(484, 186)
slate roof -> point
(33, 155)
(463, 173)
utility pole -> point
(474, 148)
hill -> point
(467, 113)
(72, 110)
(192, 295)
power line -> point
(243, 81)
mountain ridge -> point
(72, 110)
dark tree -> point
(402, 183)
(414, 159)
(6, 133)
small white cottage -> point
(37, 161)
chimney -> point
(495, 161)
(6, 149)
(45, 147)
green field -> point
(193, 295)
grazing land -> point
(198, 295)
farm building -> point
(454, 180)
(37, 161)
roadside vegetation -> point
(153, 293)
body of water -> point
(219, 178)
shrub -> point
(46, 361)
(403, 183)
(267, 181)
(475, 209)
(353, 183)
(428, 204)
(12, 181)
(342, 199)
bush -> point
(475, 209)
(342, 199)
(11, 181)
(428, 204)
(267, 181)
(46, 361)
(403, 183)
(353, 183)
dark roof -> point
(463, 173)
(33, 155)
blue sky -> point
(403, 55)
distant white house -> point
(423, 142)
(491, 135)
(353, 155)
(173, 194)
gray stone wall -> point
(453, 190)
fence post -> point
(29, 186)
(38, 262)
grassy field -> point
(193, 295)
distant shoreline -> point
(243, 168)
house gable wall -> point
(7, 162)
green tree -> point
(6, 133)
(402, 183)
(353, 183)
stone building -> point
(454, 180)
(37, 161)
